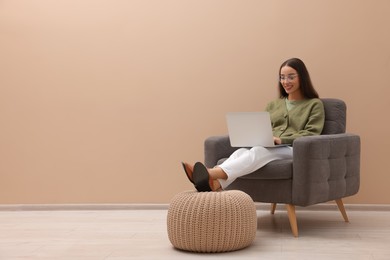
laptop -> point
(248, 129)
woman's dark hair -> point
(306, 86)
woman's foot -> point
(203, 180)
(216, 186)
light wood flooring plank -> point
(142, 234)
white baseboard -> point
(97, 206)
(162, 206)
(329, 206)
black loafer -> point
(201, 177)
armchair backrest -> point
(335, 116)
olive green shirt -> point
(304, 118)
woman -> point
(298, 112)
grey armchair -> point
(323, 168)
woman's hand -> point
(277, 140)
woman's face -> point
(289, 79)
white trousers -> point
(244, 161)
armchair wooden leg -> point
(293, 219)
(340, 204)
(273, 208)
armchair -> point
(323, 168)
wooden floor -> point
(142, 234)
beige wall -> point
(101, 100)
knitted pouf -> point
(211, 222)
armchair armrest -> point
(325, 167)
(216, 148)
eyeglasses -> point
(287, 78)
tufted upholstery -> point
(323, 168)
(335, 116)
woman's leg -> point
(245, 161)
